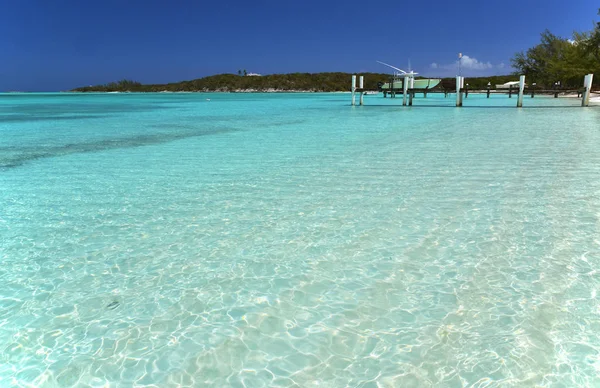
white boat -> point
(400, 75)
(425, 83)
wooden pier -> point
(461, 92)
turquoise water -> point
(293, 240)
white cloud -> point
(468, 64)
(472, 63)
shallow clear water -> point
(293, 240)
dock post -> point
(467, 91)
(361, 86)
(521, 90)
(533, 90)
(404, 90)
(509, 91)
(410, 98)
(587, 84)
(458, 92)
(353, 90)
(488, 92)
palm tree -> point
(245, 72)
(239, 72)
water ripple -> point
(338, 247)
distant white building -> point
(253, 75)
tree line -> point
(561, 61)
(313, 82)
(317, 82)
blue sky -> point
(62, 44)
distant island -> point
(293, 82)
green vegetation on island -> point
(317, 82)
(556, 59)
(311, 82)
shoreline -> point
(594, 99)
(275, 91)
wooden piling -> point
(587, 84)
(488, 92)
(361, 85)
(521, 90)
(509, 91)
(458, 92)
(410, 98)
(353, 90)
(404, 90)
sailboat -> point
(398, 80)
